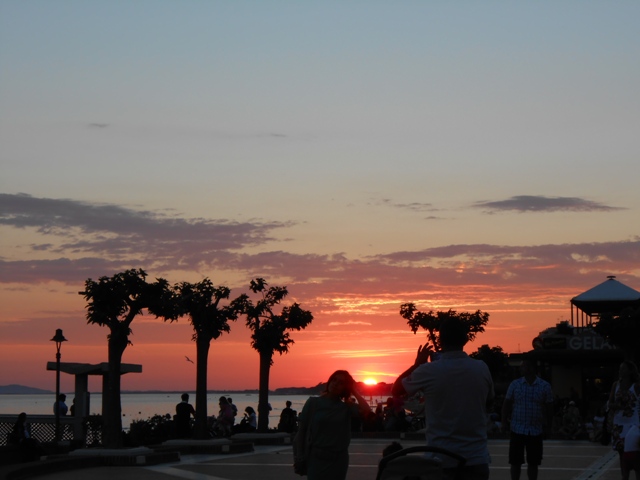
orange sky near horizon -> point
(368, 345)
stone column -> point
(82, 405)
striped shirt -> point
(529, 405)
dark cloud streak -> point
(57, 216)
(117, 232)
(539, 203)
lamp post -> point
(58, 338)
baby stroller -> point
(402, 466)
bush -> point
(151, 431)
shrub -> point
(151, 431)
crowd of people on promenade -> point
(458, 407)
(458, 404)
(225, 423)
(450, 397)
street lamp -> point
(58, 338)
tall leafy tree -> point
(495, 358)
(209, 319)
(270, 333)
(114, 302)
(431, 322)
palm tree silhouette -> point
(270, 333)
(114, 302)
(201, 303)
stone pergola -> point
(81, 371)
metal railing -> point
(43, 429)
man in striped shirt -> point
(528, 408)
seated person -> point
(182, 418)
(394, 416)
(571, 421)
(249, 422)
(30, 448)
(288, 419)
(225, 418)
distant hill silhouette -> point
(381, 389)
(21, 390)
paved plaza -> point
(563, 460)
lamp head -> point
(58, 337)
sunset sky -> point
(463, 155)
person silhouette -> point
(182, 418)
(624, 405)
(321, 446)
(30, 448)
(288, 419)
(527, 413)
(225, 418)
(249, 422)
(60, 405)
(458, 394)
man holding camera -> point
(458, 391)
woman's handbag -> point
(302, 443)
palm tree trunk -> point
(263, 396)
(202, 352)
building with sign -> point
(577, 361)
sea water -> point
(140, 406)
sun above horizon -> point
(370, 381)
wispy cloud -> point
(348, 323)
(412, 206)
(81, 240)
(115, 234)
(539, 203)
(367, 353)
(198, 132)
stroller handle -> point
(421, 448)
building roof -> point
(610, 296)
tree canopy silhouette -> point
(495, 358)
(209, 319)
(270, 333)
(114, 302)
(431, 322)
